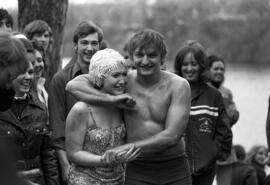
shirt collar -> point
(76, 70)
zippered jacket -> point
(208, 135)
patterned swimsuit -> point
(97, 141)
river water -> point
(251, 89)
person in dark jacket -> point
(216, 78)
(242, 172)
(24, 130)
(87, 38)
(208, 135)
(257, 157)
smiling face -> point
(23, 82)
(115, 81)
(261, 156)
(87, 47)
(216, 72)
(147, 61)
(39, 64)
(42, 39)
(190, 68)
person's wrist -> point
(110, 98)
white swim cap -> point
(102, 63)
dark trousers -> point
(170, 172)
(204, 179)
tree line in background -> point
(237, 30)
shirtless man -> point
(156, 123)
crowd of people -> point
(109, 119)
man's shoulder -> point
(63, 75)
(174, 80)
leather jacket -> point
(27, 139)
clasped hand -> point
(120, 154)
(124, 101)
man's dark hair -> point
(36, 27)
(240, 152)
(5, 15)
(85, 28)
(214, 58)
(146, 38)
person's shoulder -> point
(211, 89)
(58, 76)
(174, 80)
(175, 84)
(225, 90)
(80, 110)
(80, 106)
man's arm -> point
(57, 121)
(223, 135)
(176, 120)
(82, 88)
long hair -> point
(253, 151)
(199, 53)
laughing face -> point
(87, 47)
(39, 65)
(23, 82)
(147, 61)
(216, 72)
(115, 81)
(190, 68)
(42, 39)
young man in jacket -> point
(87, 38)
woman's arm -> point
(76, 127)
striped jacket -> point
(208, 134)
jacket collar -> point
(198, 90)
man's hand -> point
(123, 101)
(126, 156)
(121, 154)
